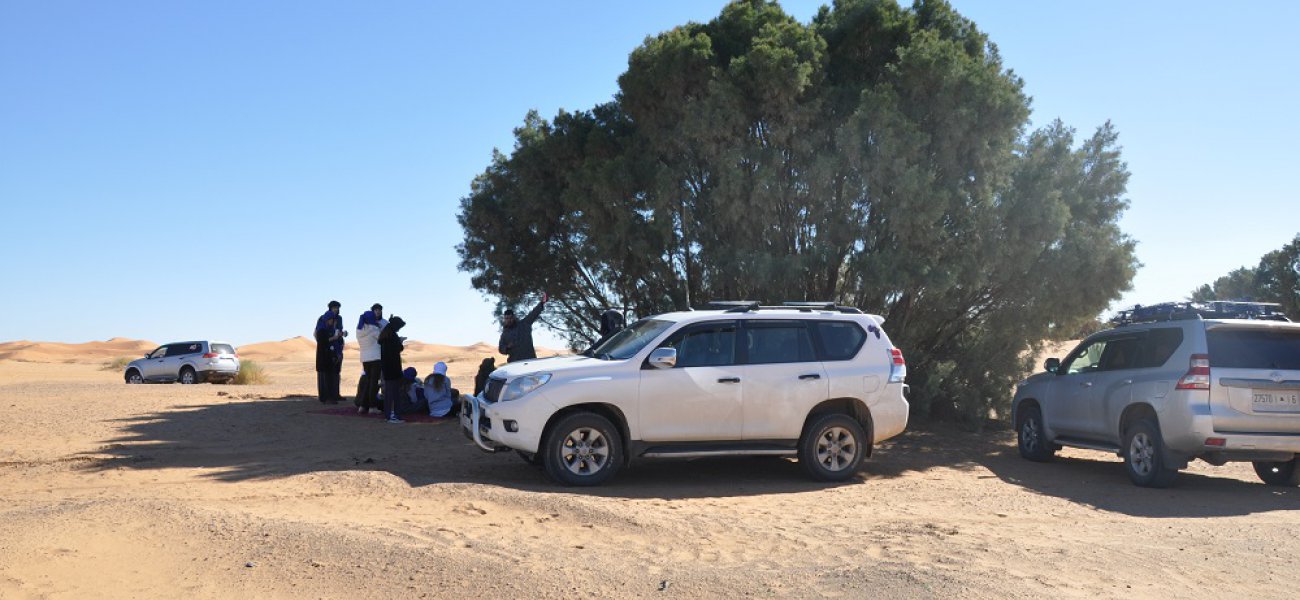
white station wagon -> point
(812, 380)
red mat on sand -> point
(351, 411)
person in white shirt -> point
(438, 392)
(368, 328)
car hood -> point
(568, 364)
(1038, 378)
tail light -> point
(1198, 374)
(897, 366)
(210, 355)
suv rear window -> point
(840, 339)
(222, 349)
(1254, 349)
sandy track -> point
(163, 491)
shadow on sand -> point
(271, 438)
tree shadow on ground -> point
(1098, 481)
(270, 438)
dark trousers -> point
(370, 399)
(327, 386)
(392, 389)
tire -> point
(188, 376)
(832, 447)
(1144, 456)
(1031, 436)
(582, 449)
(1279, 473)
(133, 377)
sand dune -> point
(297, 349)
(26, 351)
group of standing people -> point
(383, 375)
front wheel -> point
(1031, 437)
(1144, 456)
(582, 449)
(1279, 473)
(188, 376)
(832, 448)
(133, 377)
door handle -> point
(729, 380)
(1127, 382)
(1085, 383)
(810, 376)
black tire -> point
(1279, 473)
(187, 376)
(582, 449)
(832, 447)
(133, 377)
(1031, 437)
(1144, 455)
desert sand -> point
(221, 491)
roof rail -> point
(743, 306)
(1216, 309)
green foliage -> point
(117, 364)
(877, 157)
(1275, 279)
(251, 373)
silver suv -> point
(1170, 383)
(816, 381)
(186, 362)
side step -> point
(718, 449)
(1087, 445)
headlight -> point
(522, 385)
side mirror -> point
(663, 358)
(1052, 365)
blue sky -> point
(221, 170)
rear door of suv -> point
(783, 377)
(1254, 376)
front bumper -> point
(476, 426)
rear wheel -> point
(582, 449)
(1279, 473)
(188, 376)
(832, 448)
(133, 377)
(1031, 437)
(1144, 456)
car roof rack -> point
(744, 306)
(1214, 309)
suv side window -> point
(1086, 359)
(182, 349)
(705, 345)
(769, 342)
(160, 352)
(1158, 346)
(1121, 353)
(840, 340)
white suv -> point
(816, 381)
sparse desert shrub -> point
(117, 364)
(251, 373)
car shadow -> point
(1097, 480)
(262, 438)
(254, 438)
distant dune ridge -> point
(298, 349)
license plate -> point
(1276, 401)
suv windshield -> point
(625, 344)
(1254, 349)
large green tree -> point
(878, 156)
(1275, 279)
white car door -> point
(152, 367)
(1068, 409)
(700, 398)
(783, 379)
